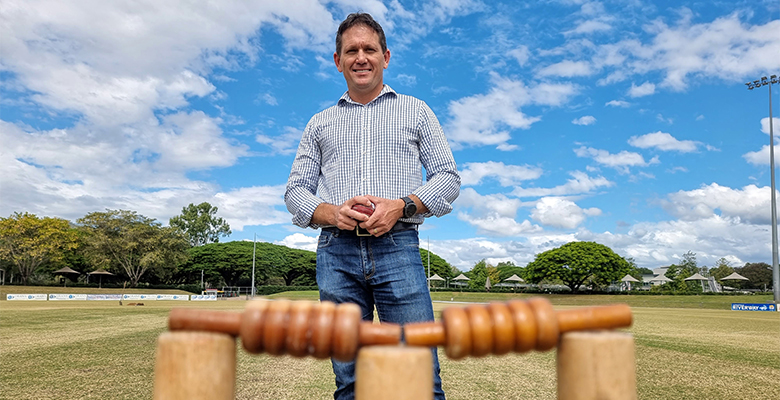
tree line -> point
(140, 249)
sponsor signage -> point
(753, 307)
(113, 297)
(139, 297)
(172, 297)
(203, 297)
(61, 296)
(38, 297)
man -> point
(369, 149)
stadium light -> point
(775, 269)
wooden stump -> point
(195, 366)
(394, 373)
(596, 365)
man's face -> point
(362, 62)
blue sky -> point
(623, 122)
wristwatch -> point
(410, 209)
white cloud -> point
(561, 213)
(775, 125)
(618, 103)
(590, 26)
(642, 90)
(521, 54)
(567, 69)
(126, 72)
(497, 226)
(486, 119)
(286, 143)
(751, 204)
(268, 98)
(472, 174)
(299, 241)
(620, 161)
(663, 141)
(760, 157)
(724, 49)
(256, 205)
(493, 214)
(579, 184)
(406, 80)
(584, 120)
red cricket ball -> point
(363, 209)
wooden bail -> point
(394, 373)
(195, 366)
(596, 365)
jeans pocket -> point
(324, 240)
(404, 239)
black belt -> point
(398, 227)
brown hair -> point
(360, 18)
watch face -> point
(410, 209)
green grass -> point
(688, 347)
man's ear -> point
(337, 60)
(387, 58)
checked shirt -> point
(378, 149)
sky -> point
(624, 122)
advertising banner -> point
(139, 297)
(184, 297)
(753, 307)
(113, 297)
(62, 296)
(203, 297)
(38, 297)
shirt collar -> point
(386, 89)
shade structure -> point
(435, 277)
(66, 270)
(697, 277)
(735, 277)
(461, 277)
(514, 278)
(661, 278)
(100, 272)
(628, 279)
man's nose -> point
(362, 56)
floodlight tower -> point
(775, 269)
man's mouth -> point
(360, 71)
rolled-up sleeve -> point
(301, 194)
(442, 184)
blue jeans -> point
(385, 272)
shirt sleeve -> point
(442, 184)
(301, 193)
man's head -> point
(361, 55)
(359, 18)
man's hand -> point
(342, 216)
(386, 214)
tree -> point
(28, 242)
(200, 224)
(684, 269)
(479, 274)
(721, 269)
(229, 261)
(760, 275)
(439, 266)
(507, 269)
(135, 243)
(576, 262)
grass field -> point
(688, 347)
